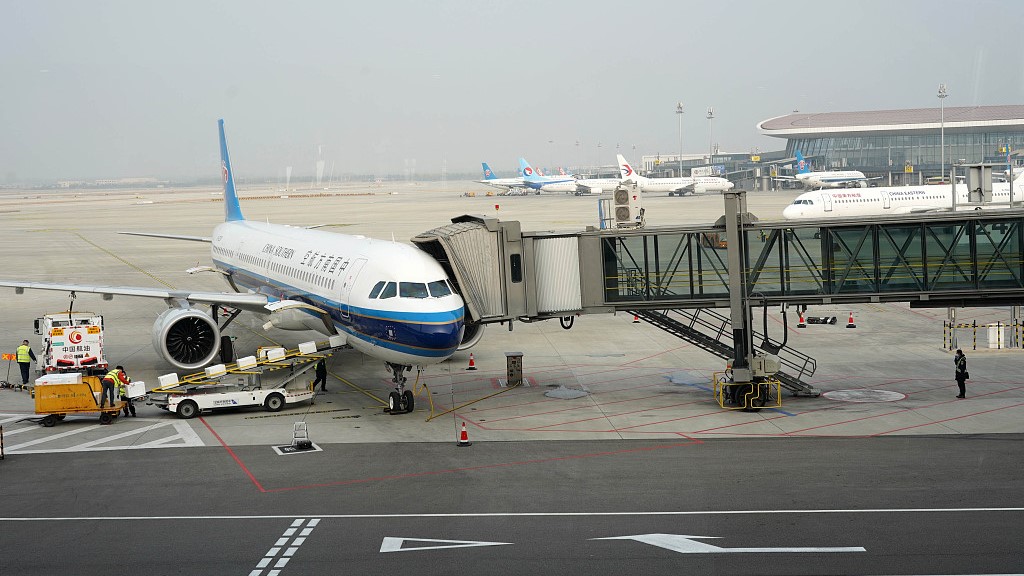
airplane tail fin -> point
(488, 173)
(802, 167)
(232, 210)
(526, 171)
(625, 170)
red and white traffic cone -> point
(801, 323)
(850, 323)
(472, 362)
(463, 437)
(636, 319)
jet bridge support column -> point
(735, 208)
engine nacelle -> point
(471, 334)
(699, 189)
(186, 337)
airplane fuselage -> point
(391, 301)
(885, 200)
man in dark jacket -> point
(321, 375)
(961, 375)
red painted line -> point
(658, 354)
(950, 419)
(693, 442)
(233, 455)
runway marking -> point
(283, 543)
(185, 437)
(689, 545)
(394, 544)
(518, 514)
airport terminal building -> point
(902, 146)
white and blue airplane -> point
(827, 179)
(504, 183)
(388, 300)
(535, 181)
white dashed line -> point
(283, 543)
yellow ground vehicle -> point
(57, 400)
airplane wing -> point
(250, 302)
(206, 239)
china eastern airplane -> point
(388, 300)
(505, 183)
(828, 179)
(674, 186)
(891, 200)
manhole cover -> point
(864, 395)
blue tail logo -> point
(801, 165)
(525, 169)
(232, 210)
(488, 174)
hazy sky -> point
(134, 87)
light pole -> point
(679, 113)
(711, 136)
(942, 132)
(597, 161)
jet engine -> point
(186, 337)
(471, 334)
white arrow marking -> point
(390, 544)
(686, 545)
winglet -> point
(232, 210)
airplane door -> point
(826, 200)
(348, 280)
(885, 201)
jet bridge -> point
(971, 258)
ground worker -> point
(115, 377)
(25, 358)
(122, 390)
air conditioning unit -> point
(626, 207)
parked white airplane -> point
(828, 179)
(390, 301)
(504, 183)
(892, 200)
(674, 186)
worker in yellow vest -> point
(115, 377)
(25, 358)
(122, 389)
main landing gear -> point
(400, 401)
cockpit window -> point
(390, 291)
(439, 288)
(376, 289)
(412, 290)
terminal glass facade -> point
(894, 152)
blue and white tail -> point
(527, 171)
(802, 166)
(232, 211)
(488, 173)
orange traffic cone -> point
(636, 319)
(472, 362)
(850, 324)
(801, 323)
(463, 437)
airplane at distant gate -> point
(504, 183)
(893, 200)
(390, 301)
(828, 179)
(674, 186)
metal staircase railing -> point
(712, 331)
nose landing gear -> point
(400, 400)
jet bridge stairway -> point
(712, 331)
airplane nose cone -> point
(790, 212)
